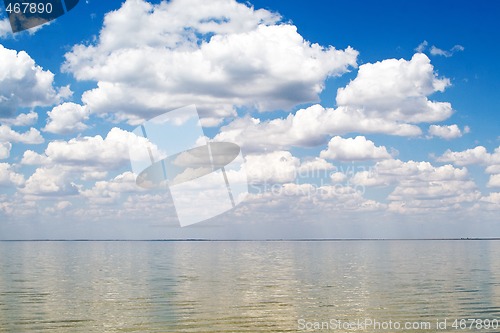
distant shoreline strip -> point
(256, 240)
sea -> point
(250, 286)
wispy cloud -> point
(436, 51)
(422, 46)
(5, 29)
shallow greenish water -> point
(248, 286)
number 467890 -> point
(29, 8)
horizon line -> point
(251, 240)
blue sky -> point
(355, 119)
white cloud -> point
(33, 158)
(477, 155)
(32, 136)
(153, 209)
(494, 181)
(397, 90)
(167, 61)
(421, 47)
(5, 29)
(480, 156)
(107, 192)
(315, 165)
(447, 132)
(308, 127)
(432, 197)
(96, 152)
(90, 174)
(435, 51)
(356, 149)
(9, 177)
(392, 171)
(420, 186)
(492, 198)
(177, 22)
(252, 60)
(88, 158)
(67, 118)
(386, 97)
(274, 167)
(58, 207)
(49, 181)
(494, 168)
(66, 163)
(62, 205)
(5, 148)
(25, 84)
(338, 177)
(307, 202)
(24, 119)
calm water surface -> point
(244, 286)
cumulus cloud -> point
(356, 149)
(338, 177)
(447, 132)
(494, 168)
(23, 119)
(58, 207)
(80, 159)
(90, 153)
(67, 118)
(435, 196)
(33, 158)
(224, 55)
(156, 209)
(387, 97)
(391, 171)
(315, 165)
(107, 192)
(25, 84)
(494, 181)
(308, 127)
(16, 209)
(397, 90)
(9, 177)
(492, 198)
(308, 202)
(274, 167)
(420, 186)
(32, 136)
(478, 155)
(49, 181)
(5, 148)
